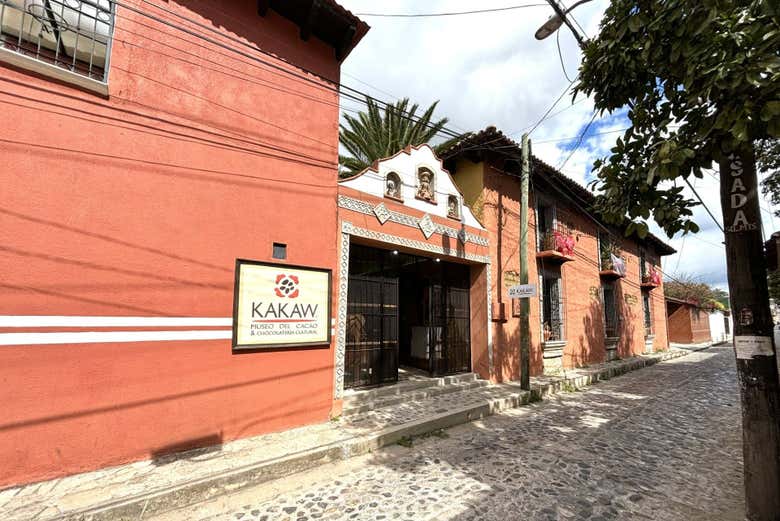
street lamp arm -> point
(559, 18)
(575, 5)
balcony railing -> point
(612, 265)
(651, 278)
(556, 245)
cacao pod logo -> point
(286, 286)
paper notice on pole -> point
(749, 346)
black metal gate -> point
(457, 354)
(371, 356)
(449, 334)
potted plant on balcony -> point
(559, 241)
(611, 261)
(652, 277)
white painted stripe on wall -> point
(86, 321)
(89, 337)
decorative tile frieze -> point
(349, 228)
(427, 226)
(338, 374)
(489, 325)
(356, 205)
(381, 213)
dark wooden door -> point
(371, 356)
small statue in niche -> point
(452, 207)
(393, 186)
(425, 185)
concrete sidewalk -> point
(142, 489)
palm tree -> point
(373, 135)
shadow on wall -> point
(174, 397)
(590, 348)
(506, 360)
(626, 304)
(211, 445)
(507, 350)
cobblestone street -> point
(662, 443)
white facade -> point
(721, 327)
(403, 174)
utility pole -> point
(525, 339)
(757, 370)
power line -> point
(572, 138)
(340, 88)
(448, 13)
(544, 116)
(169, 165)
(704, 205)
(570, 14)
(579, 141)
(560, 57)
(548, 118)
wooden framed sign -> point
(279, 305)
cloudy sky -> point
(488, 69)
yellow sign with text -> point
(278, 305)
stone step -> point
(371, 395)
(183, 494)
(410, 395)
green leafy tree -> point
(700, 83)
(768, 161)
(722, 297)
(700, 79)
(375, 134)
(687, 287)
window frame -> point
(554, 274)
(35, 64)
(615, 306)
(647, 312)
(544, 203)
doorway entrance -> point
(406, 310)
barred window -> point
(545, 223)
(72, 34)
(552, 306)
(611, 320)
(647, 314)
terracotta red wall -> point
(499, 209)
(679, 323)
(700, 326)
(684, 327)
(138, 205)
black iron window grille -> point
(647, 314)
(545, 224)
(610, 311)
(72, 34)
(552, 309)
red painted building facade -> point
(585, 311)
(136, 168)
(688, 322)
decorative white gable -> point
(415, 179)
